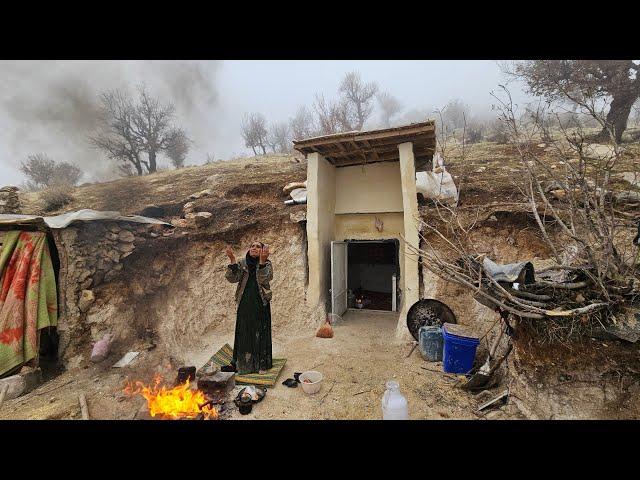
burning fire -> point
(173, 403)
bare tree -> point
(475, 130)
(130, 129)
(254, 132)
(116, 135)
(178, 147)
(590, 84)
(279, 137)
(66, 174)
(497, 132)
(334, 116)
(42, 171)
(454, 115)
(126, 170)
(152, 123)
(389, 107)
(301, 124)
(327, 115)
(358, 96)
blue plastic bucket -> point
(431, 343)
(458, 353)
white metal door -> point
(394, 289)
(338, 277)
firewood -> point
(83, 407)
(3, 393)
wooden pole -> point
(83, 407)
(3, 393)
(415, 344)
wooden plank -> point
(387, 157)
(399, 132)
(3, 393)
(366, 151)
(416, 140)
(373, 149)
(494, 400)
(375, 152)
(83, 406)
(341, 147)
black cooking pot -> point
(186, 373)
(245, 406)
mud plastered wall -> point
(172, 292)
(505, 238)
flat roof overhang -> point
(355, 148)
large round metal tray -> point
(428, 312)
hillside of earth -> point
(171, 302)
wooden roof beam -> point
(410, 130)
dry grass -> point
(55, 198)
(170, 188)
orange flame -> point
(172, 403)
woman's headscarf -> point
(252, 263)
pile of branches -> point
(572, 299)
(531, 297)
(595, 274)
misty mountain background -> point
(53, 106)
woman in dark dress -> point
(252, 344)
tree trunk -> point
(360, 116)
(254, 151)
(133, 158)
(618, 115)
(152, 161)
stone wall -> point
(9, 200)
(91, 254)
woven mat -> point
(224, 356)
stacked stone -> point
(195, 219)
(95, 253)
(9, 201)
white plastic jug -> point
(394, 405)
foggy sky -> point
(51, 106)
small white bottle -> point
(394, 405)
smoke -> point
(53, 106)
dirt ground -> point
(247, 200)
(356, 364)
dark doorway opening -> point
(48, 359)
(371, 268)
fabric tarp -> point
(521, 272)
(85, 215)
(28, 299)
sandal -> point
(290, 382)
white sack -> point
(437, 184)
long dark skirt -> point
(252, 344)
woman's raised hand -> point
(229, 252)
(264, 254)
